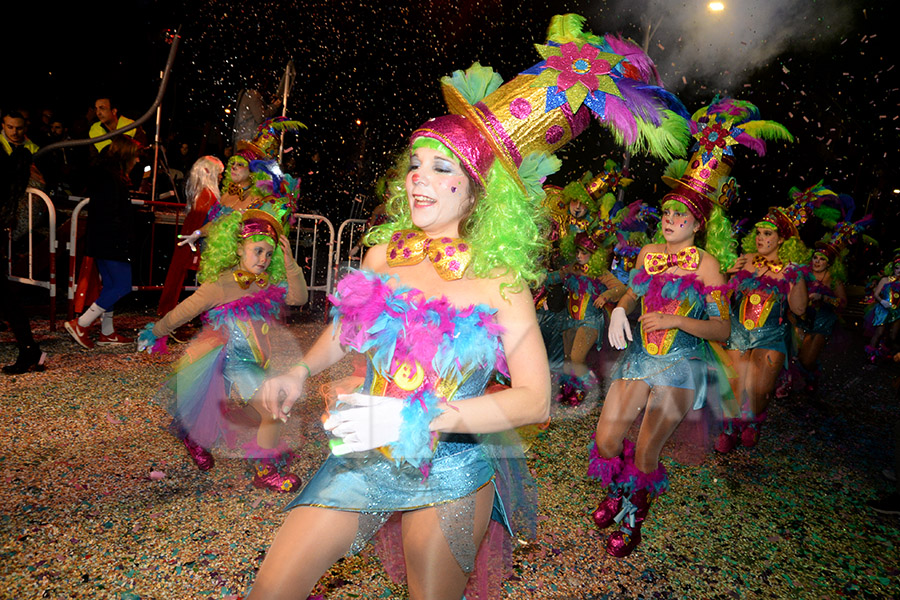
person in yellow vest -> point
(110, 120)
(13, 134)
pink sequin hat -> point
(717, 129)
(522, 122)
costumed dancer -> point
(768, 283)
(631, 236)
(885, 311)
(680, 283)
(571, 210)
(110, 240)
(202, 191)
(247, 275)
(434, 329)
(251, 175)
(828, 274)
(590, 287)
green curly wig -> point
(792, 250)
(715, 238)
(222, 244)
(599, 263)
(503, 229)
(838, 268)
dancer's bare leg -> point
(666, 408)
(810, 350)
(585, 337)
(308, 543)
(431, 570)
(623, 404)
(761, 376)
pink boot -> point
(750, 435)
(731, 434)
(607, 471)
(270, 467)
(635, 508)
(201, 457)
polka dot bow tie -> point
(657, 262)
(762, 263)
(450, 256)
(245, 278)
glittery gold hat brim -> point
(460, 106)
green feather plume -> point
(475, 83)
(570, 28)
(535, 168)
(606, 203)
(767, 130)
(676, 168)
(829, 215)
(665, 142)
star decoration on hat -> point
(577, 75)
(716, 137)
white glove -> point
(884, 303)
(619, 329)
(190, 239)
(363, 422)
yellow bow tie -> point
(657, 262)
(245, 278)
(761, 262)
(449, 256)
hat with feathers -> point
(521, 123)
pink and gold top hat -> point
(524, 121)
(716, 129)
(787, 220)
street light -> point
(716, 6)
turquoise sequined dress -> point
(881, 315)
(429, 352)
(759, 311)
(669, 357)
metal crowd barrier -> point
(307, 229)
(354, 229)
(50, 284)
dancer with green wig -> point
(247, 275)
(827, 296)
(769, 282)
(422, 454)
(680, 286)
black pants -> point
(10, 308)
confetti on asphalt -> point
(99, 501)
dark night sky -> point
(823, 68)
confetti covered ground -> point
(98, 501)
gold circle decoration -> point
(409, 377)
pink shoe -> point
(267, 476)
(605, 513)
(750, 435)
(626, 538)
(726, 442)
(202, 458)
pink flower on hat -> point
(579, 65)
(579, 73)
